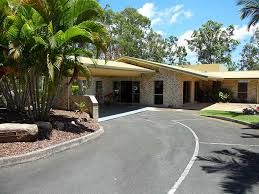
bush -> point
(81, 106)
(75, 90)
(225, 95)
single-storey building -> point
(135, 81)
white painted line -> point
(188, 120)
(190, 164)
(124, 114)
(228, 144)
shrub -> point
(225, 95)
(81, 106)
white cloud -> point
(174, 17)
(242, 32)
(182, 40)
(147, 10)
(188, 14)
(171, 14)
(177, 8)
(160, 32)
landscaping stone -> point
(45, 130)
(59, 125)
(13, 132)
(44, 125)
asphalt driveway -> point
(148, 153)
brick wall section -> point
(172, 87)
(61, 101)
(91, 103)
(252, 89)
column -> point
(192, 91)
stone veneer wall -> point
(66, 101)
(172, 87)
(91, 103)
(252, 89)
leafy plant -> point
(225, 95)
(81, 106)
(40, 43)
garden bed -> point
(74, 126)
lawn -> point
(253, 119)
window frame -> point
(242, 92)
(160, 94)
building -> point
(136, 81)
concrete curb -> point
(46, 152)
(234, 121)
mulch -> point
(84, 125)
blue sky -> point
(181, 17)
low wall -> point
(91, 103)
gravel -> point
(75, 126)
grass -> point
(253, 119)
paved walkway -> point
(149, 152)
(234, 107)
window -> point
(242, 91)
(99, 90)
(159, 90)
(216, 85)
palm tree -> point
(47, 34)
(249, 8)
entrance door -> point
(126, 92)
(129, 91)
(186, 92)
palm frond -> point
(249, 8)
(82, 10)
(61, 38)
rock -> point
(73, 123)
(45, 130)
(44, 125)
(14, 132)
(59, 125)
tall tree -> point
(213, 43)
(131, 35)
(250, 56)
(175, 54)
(249, 9)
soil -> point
(75, 125)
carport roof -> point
(209, 75)
(156, 66)
(100, 67)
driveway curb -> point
(234, 121)
(46, 152)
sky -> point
(181, 17)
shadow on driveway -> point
(239, 166)
(108, 110)
(249, 135)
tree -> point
(250, 56)
(154, 50)
(249, 8)
(40, 38)
(213, 43)
(175, 54)
(131, 35)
